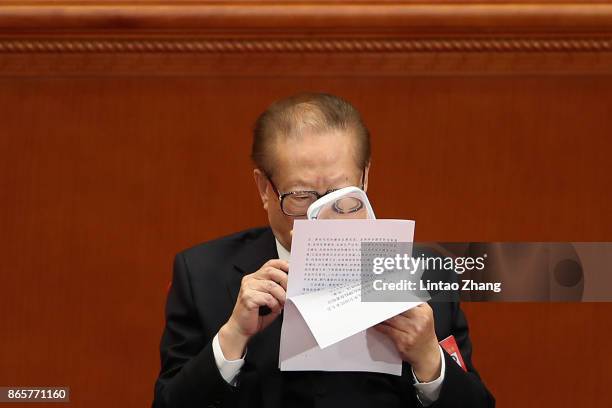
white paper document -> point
(326, 326)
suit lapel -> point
(261, 365)
(250, 258)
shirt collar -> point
(282, 252)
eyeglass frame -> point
(282, 196)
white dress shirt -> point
(427, 392)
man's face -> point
(319, 162)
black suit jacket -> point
(204, 289)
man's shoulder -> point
(221, 247)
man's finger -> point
(273, 274)
(256, 299)
(399, 322)
(416, 310)
(271, 287)
(278, 264)
(390, 331)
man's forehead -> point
(315, 180)
(315, 160)
(314, 150)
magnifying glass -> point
(346, 203)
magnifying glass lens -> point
(347, 205)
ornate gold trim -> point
(353, 37)
(437, 45)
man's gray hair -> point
(307, 112)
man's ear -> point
(365, 177)
(262, 183)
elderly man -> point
(219, 350)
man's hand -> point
(266, 287)
(415, 338)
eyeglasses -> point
(296, 203)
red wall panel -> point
(111, 162)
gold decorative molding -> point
(199, 37)
(463, 45)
